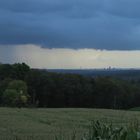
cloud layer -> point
(64, 58)
(99, 24)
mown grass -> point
(45, 124)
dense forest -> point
(22, 86)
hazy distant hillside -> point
(118, 73)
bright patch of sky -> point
(63, 58)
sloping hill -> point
(46, 123)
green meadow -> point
(45, 124)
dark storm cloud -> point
(100, 24)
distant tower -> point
(109, 67)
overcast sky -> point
(70, 33)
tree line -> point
(22, 86)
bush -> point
(101, 131)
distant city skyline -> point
(70, 34)
(64, 58)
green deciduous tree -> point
(16, 94)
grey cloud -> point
(99, 24)
(123, 8)
(7, 54)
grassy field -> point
(44, 124)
